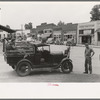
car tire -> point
(67, 67)
(23, 68)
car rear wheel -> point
(23, 68)
(66, 67)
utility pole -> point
(0, 15)
(22, 29)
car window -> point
(44, 48)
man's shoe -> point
(85, 72)
(90, 72)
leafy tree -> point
(60, 23)
(95, 13)
(7, 26)
(28, 26)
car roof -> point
(35, 44)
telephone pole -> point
(0, 16)
(22, 30)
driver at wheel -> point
(67, 52)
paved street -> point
(7, 74)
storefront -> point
(89, 33)
(70, 35)
(57, 35)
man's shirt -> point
(88, 52)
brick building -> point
(70, 32)
(40, 28)
(66, 32)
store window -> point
(50, 31)
(87, 32)
(98, 36)
(45, 32)
(80, 31)
(69, 36)
(59, 36)
(92, 31)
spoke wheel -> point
(66, 67)
(23, 69)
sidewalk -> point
(82, 45)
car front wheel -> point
(67, 67)
(23, 68)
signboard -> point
(86, 26)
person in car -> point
(19, 39)
(11, 45)
(67, 52)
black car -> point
(26, 57)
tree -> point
(28, 26)
(8, 26)
(95, 13)
(60, 23)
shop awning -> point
(86, 35)
(7, 29)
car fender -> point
(64, 59)
(26, 60)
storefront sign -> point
(86, 26)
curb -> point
(90, 46)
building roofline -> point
(7, 29)
(89, 22)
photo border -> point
(45, 84)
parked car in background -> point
(70, 42)
(50, 41)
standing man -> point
(88, 58)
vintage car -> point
(26, 57)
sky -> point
(17, 14)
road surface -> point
(7, 74)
